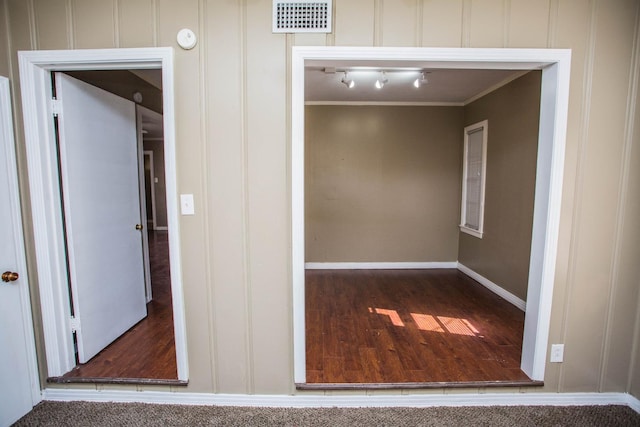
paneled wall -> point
(233, 145)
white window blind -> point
(475, 149)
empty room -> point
(395, 260)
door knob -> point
(138, 226)
(9, 276)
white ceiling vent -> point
(302, 16)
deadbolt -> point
(138, 226)
(9, 276)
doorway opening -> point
(161, 291)
(554, 66)
(146, 350)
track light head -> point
(349, 83)
(422, 80)
(381, 81)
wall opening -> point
(35, 77)
(553, 109)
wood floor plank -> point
(402, 326)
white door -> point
(100, 187)
(18, 376)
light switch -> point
(186, 204)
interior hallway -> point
(147, 350)
(409, 326)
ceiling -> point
(445, 85)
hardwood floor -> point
(146, 351)
(409, 326)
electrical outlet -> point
(557, 353)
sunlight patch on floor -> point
(430, 323)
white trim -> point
(482, 126)
(496, 289)
(632, 402)
(152, 184)
(8, 148)
(387, 104)
(554, 103)
(354, 400)
(297, 215)
(161, 228)
(555, 65)
(148, 291)
(35, 67)
(378, 265)
(470, 231)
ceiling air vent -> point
(302, 16)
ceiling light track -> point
(382, 79)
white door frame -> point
(145, 235)
(555, 65)
(7, 147)
(143, 207)
(35, 68)
(152, 186)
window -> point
(473, 179)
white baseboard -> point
(358, 400)
(496, 289)
(633, 402)
(378, 265)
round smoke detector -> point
(186, 38)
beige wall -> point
(382, 183)
(233, 148)
(502, 254)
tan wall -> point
(502, 254)
(382, 183)
(233, 150)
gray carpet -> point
(139, 414)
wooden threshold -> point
(414, 386)
(103, 380)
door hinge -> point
(56, 107)
(74, 323)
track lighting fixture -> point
(381, 81)
(349, 83)
(422, 80)
(400, 76)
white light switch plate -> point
(186, 204)
(557, 353)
